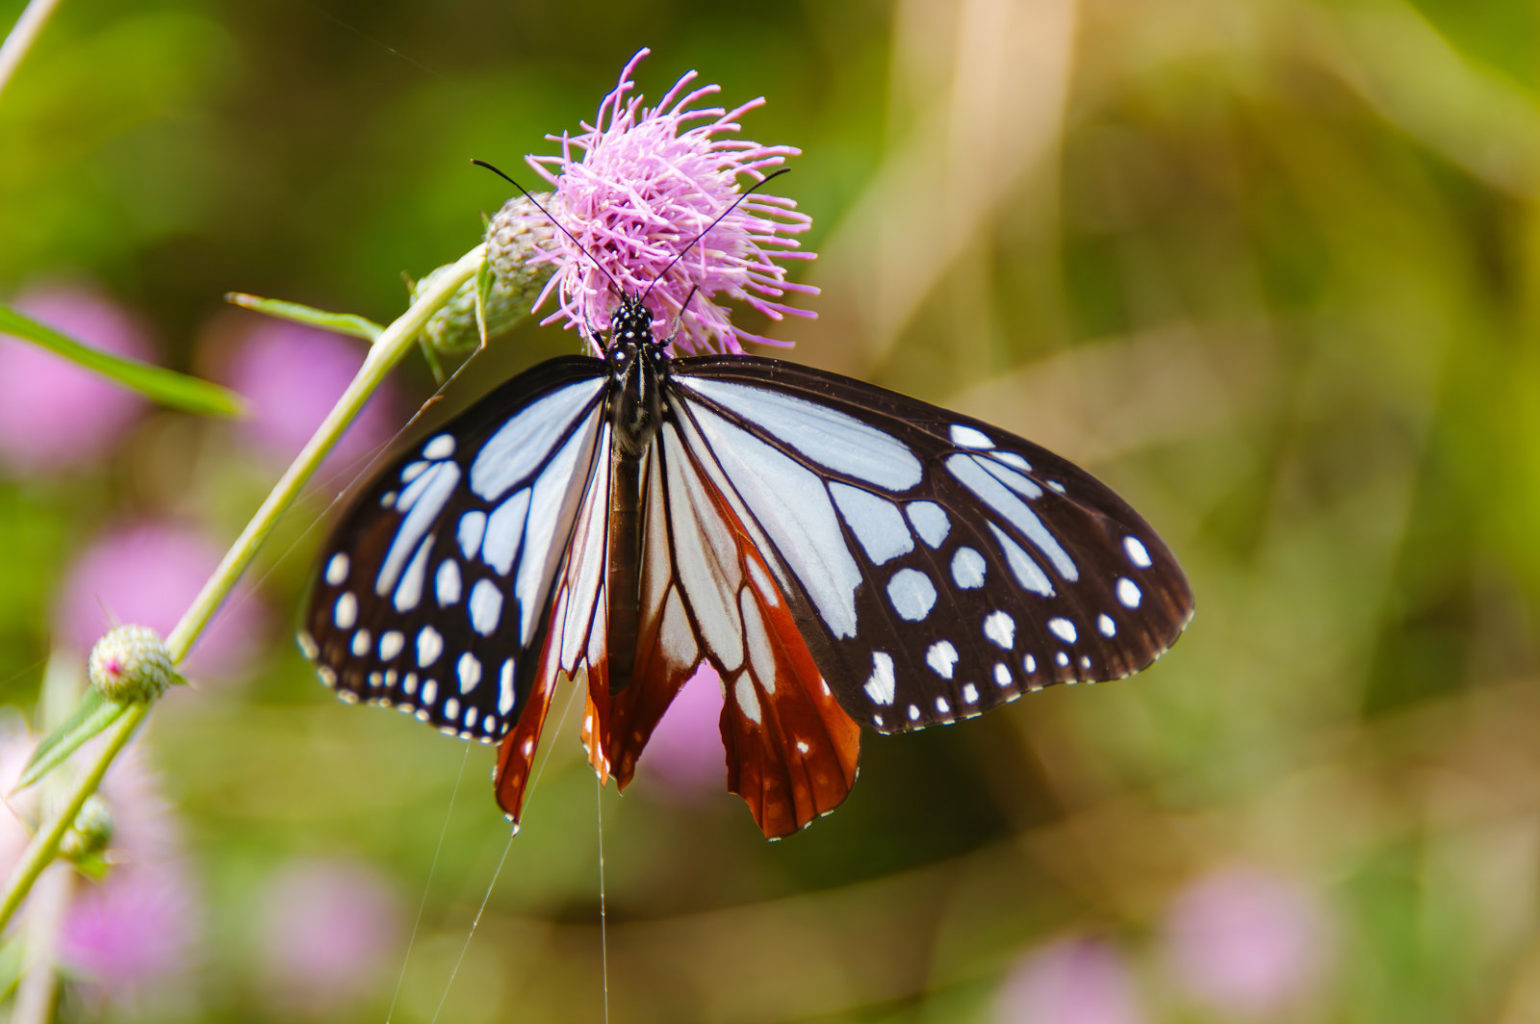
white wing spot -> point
(802, 747)
(1029, 663)
(409, 590)
(878, 525)
(360, 644)
(391, 644)
(337, 569)
(529, 748)
(446, 583)
(1085, 661)
(1136, 552)
(1063, 629)
(472, 528)
(762, 584)
(914, 712)
(930, 521)
(345, 612)
(1003, 673)
(877, 720)
(429, 646)
(452, 708)
(470, 718)
(968, 437)
(748, 700)
(1055, 485)
(469, 670)
(912, 593)
(429, 692)
(486, 607)
(968, 568)
(1061, 658)
(1128, 592)
(409, 683)
(440, 447)
(1023, 566)
(1013, 459)
(307, 644)
(1000, 628)
(881, 686)
(942, 706)
(970, 693)
(942, 658)
(1105, 626)
(505, 688)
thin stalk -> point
(40, 852)
(21, 37)
(393, 343)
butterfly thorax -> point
(638, 368)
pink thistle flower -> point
(148, 575)
(53, 413)
(1073, 981)
(1245, 941)
(637, 186)
(327, 929)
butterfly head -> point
(631, 337)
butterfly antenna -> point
(767, 179)
(559, 227)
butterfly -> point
(842, 555)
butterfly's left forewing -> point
(937, 566)
(434, 590)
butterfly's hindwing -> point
(434, 587)
(939, 566)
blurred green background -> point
(1269, 268)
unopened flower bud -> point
(130, 664)
(519, 232)
(91, 833)
(452, 331)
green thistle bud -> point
(519, 232)
(130, 664)
(512, 237)
(91, 833)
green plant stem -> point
(40, 852)
(37, 988)
(21, 37)
(392, 344)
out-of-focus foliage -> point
(1271, 268)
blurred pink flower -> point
(637, 185)
(291, 376)
(328, 931)
(1246, 941)
(133, 932)
(1073, 981)
(136, 930)
(53, 413)
(148, 575)
(685, 751)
